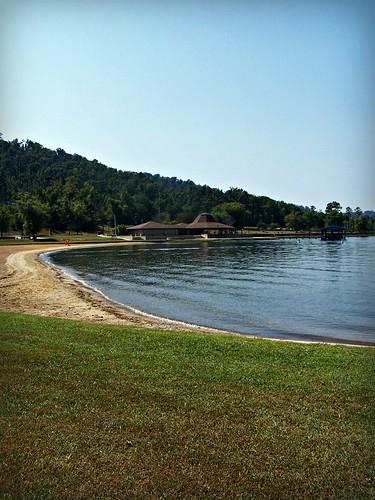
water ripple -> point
(277, 287)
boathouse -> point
(204, 225)
(332, 233)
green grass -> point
(61, 237)
(102, 411)
(84, 238)
(8, 242)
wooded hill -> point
(70, 192)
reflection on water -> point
(283, 288)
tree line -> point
(51, 189)
(353, 220)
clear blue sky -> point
(276, 97)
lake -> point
(287, 288)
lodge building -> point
(204, 226)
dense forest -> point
(41, 188)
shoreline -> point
(36, 286)
(29, 284)
(176, 324)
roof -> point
(204, 217)
(332, 228)
(157, 225)
(202, 221)
(207, 221)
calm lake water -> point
(274, 288)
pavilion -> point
(156, 230)
(204, 225)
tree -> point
(294, 220)
(333, 206)
(4, 219)
(348, 218)
(32, 214)
(233, 213)
(362, 224)
(333, 216)
(311, 219)
(78, 217)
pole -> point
(114, 222)
(159, 206)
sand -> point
(29, 285)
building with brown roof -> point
(204, 225)
(153, 229)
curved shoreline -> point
(160, 321)
(34, 285)
(29, 284)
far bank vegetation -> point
(56, 191)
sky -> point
(273, 96)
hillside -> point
(69, 183)
(61, 191)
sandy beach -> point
(29, 285)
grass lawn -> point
(61, 237)
(91, 410)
